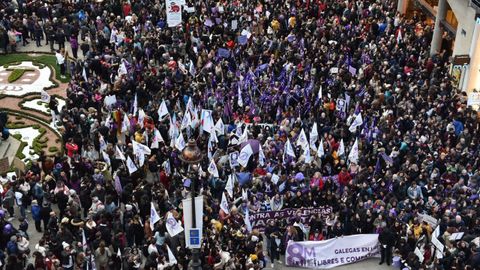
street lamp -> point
(192, 155)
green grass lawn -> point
(45, 59)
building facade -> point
(456, 26)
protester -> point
(333, 105)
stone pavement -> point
(31, 47)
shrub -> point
(19, 153)
(17, 136)
(52, 149)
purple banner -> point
(260, 220)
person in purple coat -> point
(74, 46)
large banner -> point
(174, 12)
(260, 220)
(333, 252)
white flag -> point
(314, 134)
(194, 116)
(224, 204)
(289, 149)
(306, 153)
(244, 195)
(119, 154)
(125, 123)
(212, 168)
(106, 158)
(229, 185)
(103, 144)
(191, 69)
(154, 217)
(244, 155)
(84, 241)
(207, 121)
(166, 166)
(341, 148)
(186, 120)
(84, 74)
(172, 225)
(358, 121)
(135, 105)
(321, 151)
(213, 136)
(240, 100)
(173, 129)
(141, 117)
(180, 142)
(353, 156)
(139, 148)
(302, 139)
(246, 219)
(220, 127)
(44, 96)
(244, 137)
(157, 138)
(131, 166)
(190, 106)
(320, 93)
(261, 155)
(171, 257)
(162, 110)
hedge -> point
(17, 73)
(40, 61)
(19, 153)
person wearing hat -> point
(67, 258)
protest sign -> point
(174, 13)
(473, 99)
(333, 252)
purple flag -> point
(242, 40)
(208, 23)
(222, 52)
(378, 167)
(387, 158)
(227, 110)
(261, 68)
(118, 185)
(352, 70)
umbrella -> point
(255, 144)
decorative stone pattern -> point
(31, 82)
(38, 105)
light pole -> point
(192, 155)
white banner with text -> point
(333, 252)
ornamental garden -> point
(23, 79)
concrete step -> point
(8, 148)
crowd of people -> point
(340, 103)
